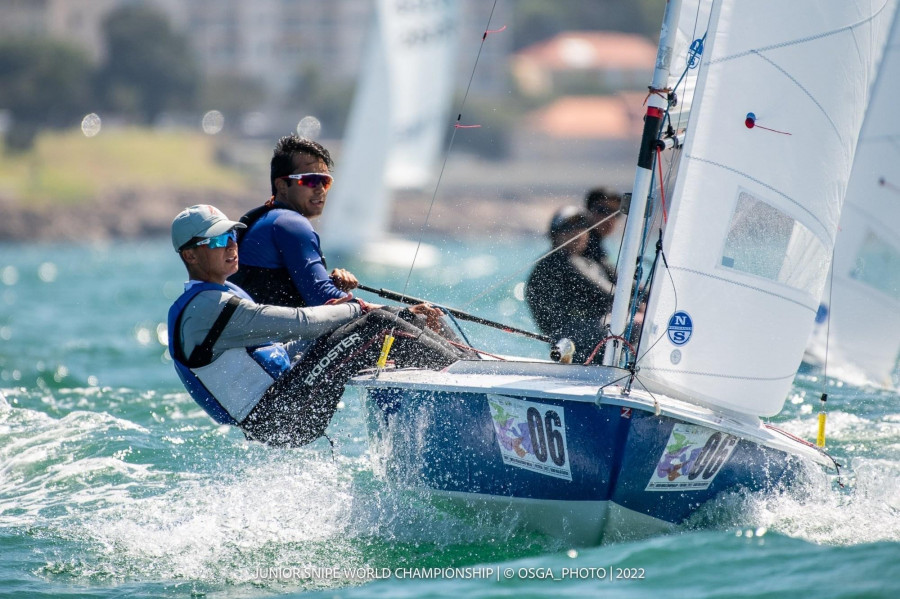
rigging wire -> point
(495, 286)
(618, 380)
(693, 61)
(820, 434)
(675, 309)
(458, 327)
(828, 324)
(456, 127)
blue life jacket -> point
(228, 387)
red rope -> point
(484, 37)
(773, 130)
(364, 347)
(662, 93)
(790, 435)
(603, 342)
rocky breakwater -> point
(128, 214)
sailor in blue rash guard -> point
(276, 372)
(281, 255)
(286, 266)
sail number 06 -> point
(712, 456)
(546, 438)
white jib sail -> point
(864, 308)
(400, 113)
(780, 97)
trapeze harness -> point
(228, 387)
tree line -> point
(148, 69)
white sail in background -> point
(421, 41)
(400, 113)
(754, 211)
(864, 307)
(358, 204)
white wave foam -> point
(867, 510)
(41, 473)
(285, 511)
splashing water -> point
(112, 480)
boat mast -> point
(657, 105)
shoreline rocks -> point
(148, 213)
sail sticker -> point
(692, 458)
(675, 356)
(695, 51)
(531, 436)
(681, 327)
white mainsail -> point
(864, 303)
(398, 120)
(780, 97)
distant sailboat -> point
(395, 132)
(860, 316)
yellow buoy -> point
(820, 438)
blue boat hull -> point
(613, 458)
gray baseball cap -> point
(203, 221)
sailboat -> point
(857, 336)
(395, 131)
(756, 107)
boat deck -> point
(601, 385)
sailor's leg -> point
(299, 405)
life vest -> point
(267, 285)
(228, 387)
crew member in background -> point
(601, 203)
(281, 257)
(277, 372)
(569, 295)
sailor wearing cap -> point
(276, 372)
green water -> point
(114, 484)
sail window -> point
(878, 265)
(764, 241)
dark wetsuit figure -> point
(569, 297)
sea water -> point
(113, 483)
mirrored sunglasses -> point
(219, 241)
(312, 180)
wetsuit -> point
(281, 259)
(284, 394)
(596, 252)
(569, 297)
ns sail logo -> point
(680, 328)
